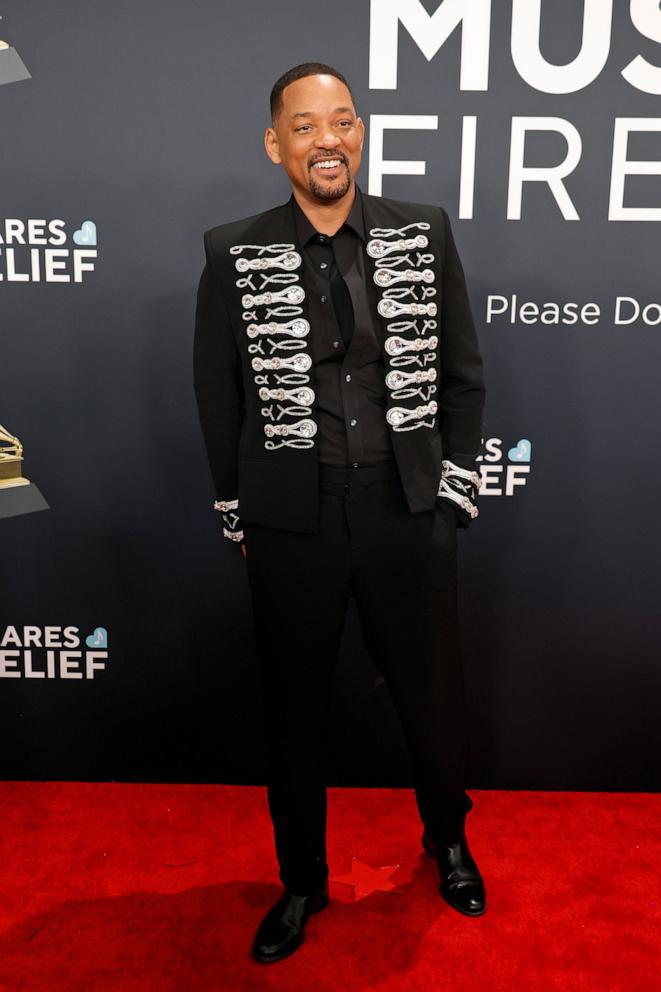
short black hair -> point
(299, 72)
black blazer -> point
(263, 463)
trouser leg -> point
(300, 587)
(405, 584)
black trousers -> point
(401, 569)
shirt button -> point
(348, 377)
(336, 344)
(321, 238)
(355, 465)
(323, 265)
(323, 299)
(353, 422)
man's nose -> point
(329, 140)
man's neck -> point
(327, 217)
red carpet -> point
(159, 888)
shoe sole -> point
(294, 945)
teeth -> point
(327, 164)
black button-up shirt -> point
(350, 377)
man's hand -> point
(243, 550)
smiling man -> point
(340, 392)
(321, 174)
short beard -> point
(326, 191)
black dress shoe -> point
(282, 930)
(461, 883)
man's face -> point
(318, 123)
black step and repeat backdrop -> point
(127, 129)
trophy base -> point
(6, 483)
(12, 67)
(16, 500)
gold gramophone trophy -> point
(11, 456)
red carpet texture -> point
(159, 888)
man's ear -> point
(271, 145)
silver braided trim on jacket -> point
(270, 282)
(403, 275)
(460, 485)
(231, 529)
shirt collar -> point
(305, 230)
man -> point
(340, 393)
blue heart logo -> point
(99, 639)
(522, 451)
(86, 234)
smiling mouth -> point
(328, 165)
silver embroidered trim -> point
(233, 535)
(400, 417)
(396, 379)
(402, 383)
(300, 394)
(460, 485)
(403, 275)
(293, 294)
(393, 308)
(378, 248)
(299, 435)
(397, 346)
(231, 528)
(298, 328)
(300, 363)
(386, 277)
(226, 504)
(287, 260)
(278, 335)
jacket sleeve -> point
(218, 384)
(461, 390)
